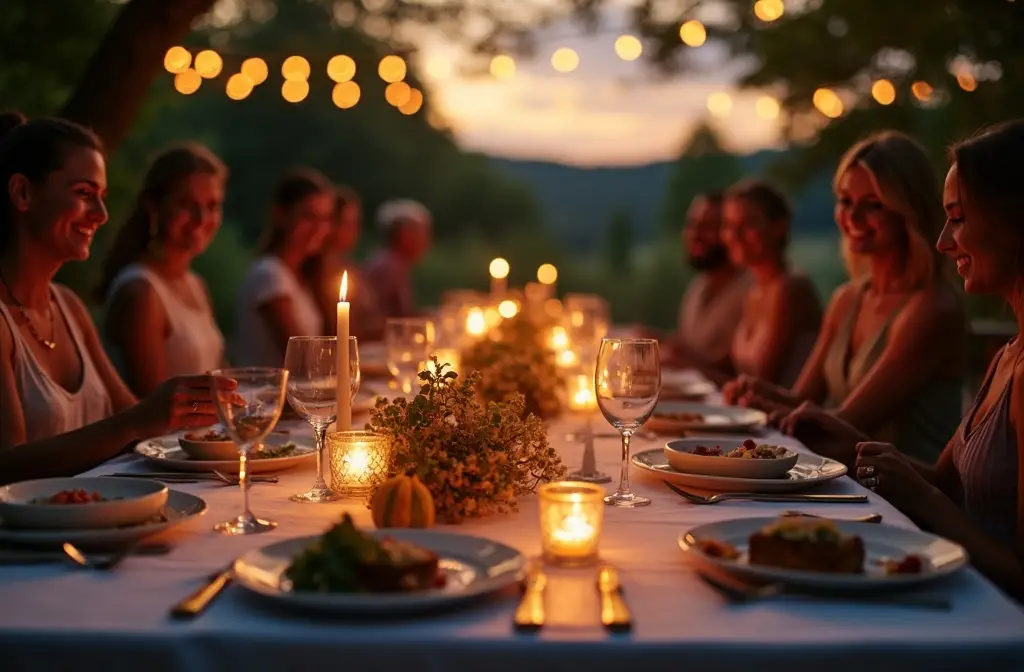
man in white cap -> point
(407, 229)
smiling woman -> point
(63, 408)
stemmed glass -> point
(248, 413)
(312, 363)
(628, 382)
(407, 342)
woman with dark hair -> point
(159, 315)
(322, 272)
(891, 355)
(974, 493)
(273, 303)
(781, 314)
(63, 408)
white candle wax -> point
(344, 421)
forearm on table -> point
(72, 452)
(939, 514)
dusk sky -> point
(606, 112)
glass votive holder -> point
(571, 515)
(360, 460)
(581, 395)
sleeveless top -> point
(194, 344)
(923, 426)
(707, 324)
(269, 278)
(985, 456)
(49, 408)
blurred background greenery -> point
(614, 230)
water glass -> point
(407, 342)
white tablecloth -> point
(57, 615)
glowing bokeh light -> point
(187, 82)
(693, 33)
(295, 90)
(883, 92)
(256, 70)
(208, 64)
(392, 68)
(177, 60)
(239, 86)
(345, 94)
(503, 67)
(628, 47)
(341, 68)
(565, 59)
(295, 69)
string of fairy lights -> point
(190, 72)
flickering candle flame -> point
(573, 531)
(582, 397)
(559, 338)
(571, 515)
(343, 293)
(566, 358)
(358, 461)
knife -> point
(197, 602)
(614, 612)
(529, 616)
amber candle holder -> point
(360, 461)
(571, 516)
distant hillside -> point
(579, 202)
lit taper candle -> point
(344, 422)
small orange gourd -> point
(402, 501)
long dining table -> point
(63, 616)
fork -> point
(102, 563)
(771, 497)
(254, 478)
(737, 591)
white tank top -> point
(49, 408)
(194, 344)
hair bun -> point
(9, 120)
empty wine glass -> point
(312, 363)
(407, 342)
(627, 381)
(248, 413)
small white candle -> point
(344, 421)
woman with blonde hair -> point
(159, 314)
(891, 355)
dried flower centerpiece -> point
(517, 361)
(474, 458)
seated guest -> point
(973, 493)
(713, 303)
(322, 272)
(407, 227)
(782, 313)
(891, 355)
(63, 408)
(273, 302)
(159, 315)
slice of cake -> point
(807, 544)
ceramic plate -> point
(940, 557)
(167, 455)
(126, 501)
(180, 508)
(685, 385)
(681, 458)
(473, 566)
(669, 418)
(809, 471)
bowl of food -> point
(78, 503)
(211, 444)
(721, 457)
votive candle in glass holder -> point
(360, 460)
(582, 397)
(571, 515)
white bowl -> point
(130, 501)
(681, 458)
(208, 451)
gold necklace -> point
(24, 315)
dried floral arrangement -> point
(516, 360)
(475, 458)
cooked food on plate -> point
(213, 435)
(749, 449)
(812, 545)
(347, 560)
(77, 496)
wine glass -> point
(407, 342)
(312, 363)
(248, 413)
(627, 381)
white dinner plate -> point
(685, 385)
(180, 508)
(940, 557)
(681, 457)
(810, 471)
(165, 453)
(712, 418)
(127, 501)
(473, 567)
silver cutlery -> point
(196, 477)
(28, 556)
(738, 591)
(102, 562)
(767, 497)
(870, 518)
(197, 602)
(529, 614)
(614, 612)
